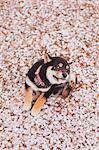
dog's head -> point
(58, 69)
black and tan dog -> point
(50, 75)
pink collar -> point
(37, 77)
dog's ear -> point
(47, 57)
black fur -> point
(26, 86)
(31, 73)
(53, 90)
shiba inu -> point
(47, 76)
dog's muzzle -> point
(64, 74)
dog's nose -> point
(64, 74)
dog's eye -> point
(54, 68)
(58, 67)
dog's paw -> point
(65, 91)
(27, 106)
(72, 81)
(38, 105)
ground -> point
(65, 27)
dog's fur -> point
(50, 75)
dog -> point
(47, 76)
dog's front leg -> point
(70, 85)
(38, 105)
(29, 97)
(40, 102)
(66, 91)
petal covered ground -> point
(65, 27)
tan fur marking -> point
(67, 67)
(65, 92)
(38, 105)
(72, 84)
(60, 65)
(28, 99)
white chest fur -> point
(34, 87)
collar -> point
(37, 78)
